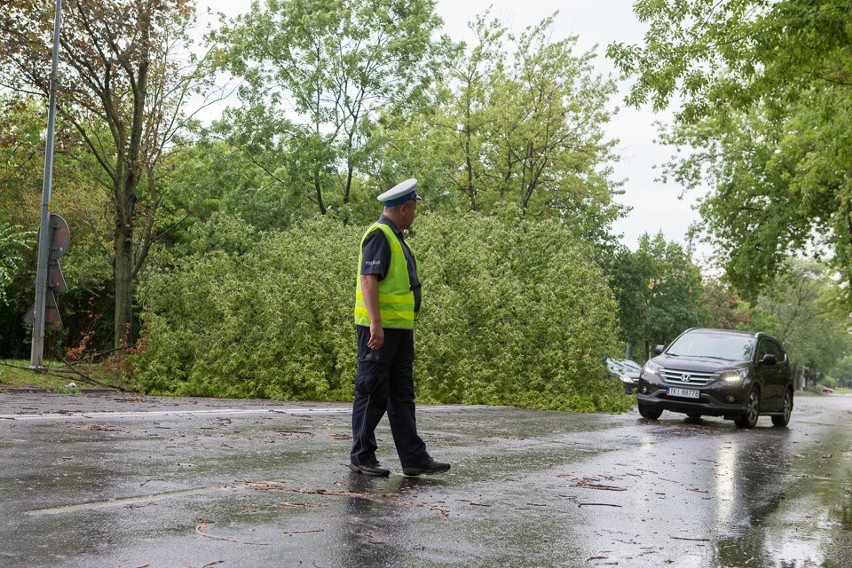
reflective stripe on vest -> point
(396, 300)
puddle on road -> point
(801, 517)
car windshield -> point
(713, 345)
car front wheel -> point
(649, 412)
(749, 418)
(784, 419)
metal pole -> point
(37, 352)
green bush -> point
(514, 313)
(12, 243)
(265, 318)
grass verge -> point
(59, 377)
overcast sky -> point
(655, 206)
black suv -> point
(718, 372)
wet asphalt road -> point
(112, 480)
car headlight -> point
(733, 376)
(652, 369)
(625, 379)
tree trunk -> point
(126, 194)
(318, 191)
(123, 275)
(350, 173)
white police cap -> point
(400, 193)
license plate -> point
(684, 393)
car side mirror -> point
(659, 349)
(769, 359)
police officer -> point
(387, 302)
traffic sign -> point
(60, 238)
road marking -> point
(94, 505)
(160, 413)
(308, 411)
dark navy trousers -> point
(385, 383)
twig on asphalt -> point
(602, 487)
(291, 533)
(297, 432)
(305, 490)
(590, 483)
(203, 525)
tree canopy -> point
(122, 89)
(322, 71)
(764, 90)
(802, 312)
(519, 118)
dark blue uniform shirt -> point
(376, 254)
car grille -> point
(687, 378)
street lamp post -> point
(45, 233)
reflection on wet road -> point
(126, 481)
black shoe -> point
(375, 469)
(429, 467)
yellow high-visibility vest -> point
(396, 299)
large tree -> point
(530, 121)
(518, 119)
(842, 371)
(671, 290)
(765, 92)
(628, 279)
(801, 311)
(79, 200)
(553, 106)
(725, 309)
(124, 81)
(460, 131)
(322, 70)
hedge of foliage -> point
(514, 313)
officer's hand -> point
(377, 337)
